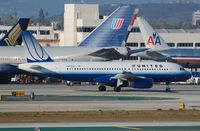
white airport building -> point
(196, 17)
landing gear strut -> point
(168, 89)
(117, 89)
(102, 88)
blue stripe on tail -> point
(34, 51)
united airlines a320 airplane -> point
(116, 74)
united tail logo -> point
(117, 23)
(154, 39)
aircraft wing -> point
(37, 67)
(155, 55)
(128, 76)
(124, 76)
(109, 53)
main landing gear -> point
(168, 89)
(102, 88)
(117, 89)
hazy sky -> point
(29, 8)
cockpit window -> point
(182, 69)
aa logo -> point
(154, 39)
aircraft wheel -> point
(168, 89)
(117, 89)
(102, 88)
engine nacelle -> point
(110, 82)
(106, 80)
(142, 83)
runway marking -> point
(130, 128)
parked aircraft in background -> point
(117, 74)
(104, 43)
(13, 37)
(159, 50)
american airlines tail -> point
(13, 36)
(34, 51)
(113, 31)
(150, 36)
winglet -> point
(151, 38)
(112, 31)
(34, 51)
(13, 36)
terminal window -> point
(85, 29)
(197, 44)
(171, 44)
(132, 44)
(135, 29)
(131, 58)
(142, 44)
(44, 32)
(184, 44)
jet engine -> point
(142, 83)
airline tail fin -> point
(13, 37)
(34, 51)
(151, 38)
(135, 14)
(112, 31)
